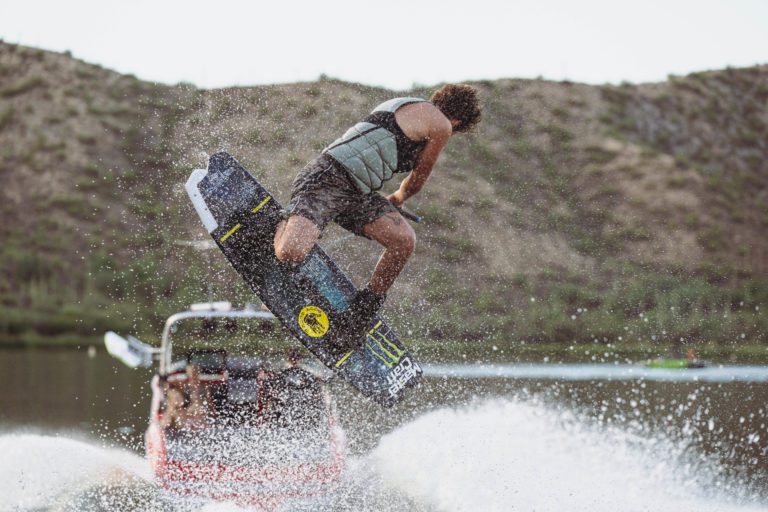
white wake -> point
(506, 455)
(38, 472)
(499, 455)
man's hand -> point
(397, 198)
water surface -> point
(473, 437)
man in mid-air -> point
(400, 135)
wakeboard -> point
(307, 298)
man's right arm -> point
(438, 134)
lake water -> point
(559, 437)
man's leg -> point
(294, 238)
(399, 240)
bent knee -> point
(406, 243)
(289, 253)
(294, 239)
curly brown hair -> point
(458, 101)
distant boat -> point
(675, 364)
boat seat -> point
(294, 398)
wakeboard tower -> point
(308, 298)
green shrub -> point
(677, 181)
(87, 138)
(279, 136)
(71, 205)
(587, 245)
(712, 239)
(634, 233)
(454, 249)
(440, 216)
(599, 155)
(21, 87)
(88, 184)
(521, 147)
(7, 117)
(520, 280)
(309, 111)
(558, 134)
(489, 302)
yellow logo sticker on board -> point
(313, 321)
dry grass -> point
(562, 179)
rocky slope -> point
(633, 213)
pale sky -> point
(395, 43)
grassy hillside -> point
(622, 215)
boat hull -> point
(266, 485)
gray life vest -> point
(376, 148)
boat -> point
(223, 425)
(690, 361)
(675, 363)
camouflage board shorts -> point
(323, 192)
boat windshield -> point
(264, 339)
